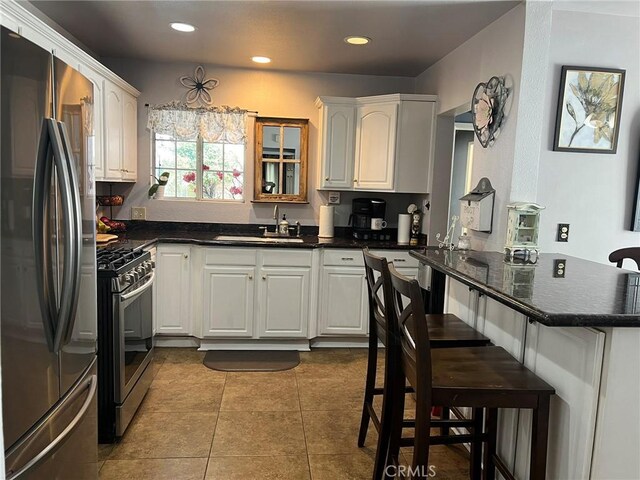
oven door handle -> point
(139, 290)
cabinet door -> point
(98, 120)
(173, 288)
(283, 309)
(343, 303)
(130, 137)
(113, 131)
(228, 301)
(375, 146)
(338, 135)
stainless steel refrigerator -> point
(48, 296)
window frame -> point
(199, 176)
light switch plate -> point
(138, 213)
(334, 198)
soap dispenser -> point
(283, 226)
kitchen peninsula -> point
(571, 322)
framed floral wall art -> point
(589, 105)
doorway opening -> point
(461, 167)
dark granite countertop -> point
(589, 295)
(140, 236)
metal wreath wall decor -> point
(198, 87)
(487, 109)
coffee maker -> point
(367, 219)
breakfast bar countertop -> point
(584, 294)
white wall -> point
(592, 192)
(496, 50)
(277, 94)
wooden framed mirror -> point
(281, 160)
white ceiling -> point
(302, 35)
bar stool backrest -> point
(618, 256)
(408, 314)
(379, 288)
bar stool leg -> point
(388, 452)
(372, 365)
(539, 436)
(475, 471)
(445, 415)
(491, 427)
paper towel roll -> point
(404, 227)
(326, 221)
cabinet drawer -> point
(230, 256)
(343, 257)
(400, 258)
(286, 258)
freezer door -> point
(73, 95)
(64, 445)
(30, 385)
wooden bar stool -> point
(445, 331)
(618, 256)
(481, 378)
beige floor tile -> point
(180, 395)
(189, 372)
(167, 435)
(154, 469)
(323, 393)
(335, 432)
(291, 467)
(356, 466)
(330, 362)
(259, 433)
(181, 355)
(261, 391)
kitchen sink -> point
(241, 238)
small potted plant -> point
(157, 189)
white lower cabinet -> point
(284, 297)
(343, 301)
(228, 293)
(173, 290)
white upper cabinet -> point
(130, 137)
(381, 143)
(113, 132)
(337, 127)
(375, 146)
(121, 135)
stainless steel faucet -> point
(275, 216)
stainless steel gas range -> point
(125, 336)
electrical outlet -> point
(138, 213)
(563, 232)
(559, 267)
(426, 205)
(334, 198)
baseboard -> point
(176, 342)
(301, 345)
(340, 342)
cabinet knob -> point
(326, 179)
(250, 277)
(186, 255)
(355, 180)
(264, 277)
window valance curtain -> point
(212, 124)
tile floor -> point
(200, 424)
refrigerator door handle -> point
(70, 275)
(50, 449)
(76, 225)
(42, 246)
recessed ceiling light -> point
(261, 59)
(14, 35)
(357, 40)
(182, 27)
